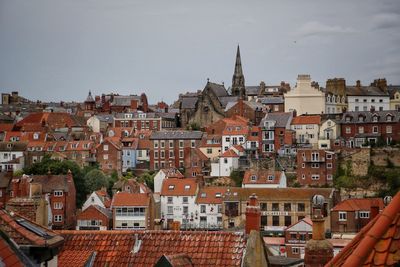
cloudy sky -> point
(59, 50)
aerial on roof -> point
(145, 248)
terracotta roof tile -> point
(230, 153)
(117, 248)
(179, 187)
(357, 204)
(316, 119)
(210, 195)
(75, 258)
(262, 177)
(8, 257)
(377, 243)
(130, 199)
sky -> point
(55, 50)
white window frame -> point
(342, 216)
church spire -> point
(238, 88)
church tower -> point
(238, 88)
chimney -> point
(134, 104)
(253, 215)
(318, 250)
(374, 210)
(358, 83)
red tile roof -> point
(377, 244)
(210, 195)
(6, 127)
(262, 177)
(315, 119)
(179, 260)
(179, 187)
(117, 248)
(8, 257)
(75, 258)
(230, 154)
(126, 199)
(357, 204)
(172, 173)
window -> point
(264, 220)
(105, 156)
(58, 205)
(348, 130)
(375, 118)
(388, 129)
(303, 176)
(58, 218)
(329, 165)
(202, 208)
(162, 154)
(361, 129)
(162, 144)
(389, 118)
(209, 150)
(185, 200)
(275, 206)
(287, 207)
(301, 207)
(263, 206)
(240, 139)
(193, 144)
(156, 154)
(155, 144)
(171, 153)
(187, 187)
(225, 160)
(180, 143)
(170, 200)
(364, 214)
(58, 193)
(170, 210)
(374, 129)
(270, 177)
(329, 177)
(105, 147)
(315, 177)
(314, 165)
(342, 216)
(227, 139)
(185, 210)
(171, 187)
(288, 220)
(329, 156)
(180, 153)
(275, 220)
(218, 195)
(253, 178)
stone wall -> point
(358, 161)
(381, 156)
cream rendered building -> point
(305, 98)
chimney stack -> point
(253, 215)
(358, 83)
(318, 251)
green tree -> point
(95, 180)
(148, 179)
(57, 167)
(237, 177)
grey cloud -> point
(313, 28)
(385, 21)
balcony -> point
(316, 159)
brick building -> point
(296, 236)
(109, 155)
(351, 215)
(358, 128)
(172, 148)
(251, 110)
(57, 190)
(94, 218)
(276, 133)
(139, 121)
(315, 166)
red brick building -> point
(358, 128)
(109, 154)
(94, 218)
(296, 237)
(58, 190)
(315, 166)
(276, 134)
(351, 215)
(253, 111)
(172, 148)
(139, 121)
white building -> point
(234, 135)
(305, 97)
(208, 214)
(366, 98)
(99, 123)
(98, 198)
(307, 129)
(328, 131)
(12, 156)
(178, 202)
(226, 163)
(131, 211)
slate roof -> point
(218, 89)
(105, 118)
(169, 135)
(120, 100)
(272, 100)
(357, 204)
(49, 182)
(365, 91)
(281, 118)
(117, 248)
(224, 100)
(252, 90)
(377, 244)
(189, 102)
(368, 116)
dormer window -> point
(238, 128)
(360, 118)
(35, 136)
(389, 118)
(218, 195)
(203, 195)
(375, 118)
(187, 187)
(253, 178)
(9, 145)
(270, 177)
(348, 119)
(171, 187)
